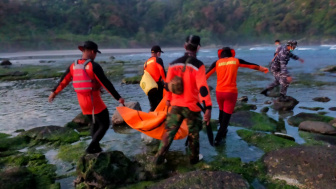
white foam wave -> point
(333, 47)
(261, 48)
(306, 49)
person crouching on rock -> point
(226, 90)
(88, 77)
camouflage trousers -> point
(173, 123)
(279, 80)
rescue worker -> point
(186, 105)
(226, 68)
(154, 66)
(88, 77)
(279, 69)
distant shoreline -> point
(57, 53)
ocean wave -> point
(306, 49)
(333, 47)
(262, 48)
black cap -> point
(193, 40)
(156, 49)
(277, 41)
(89, 45)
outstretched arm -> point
(245, 64)
(211, 70)
(63, 82)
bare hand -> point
(301, 60)
(207, 116)
(51, 97)
(263, 69)
(289, 79)
(121, 101)
(167, 103)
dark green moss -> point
(132, 80)
(71, 153)
(265, 141)
(297, 119)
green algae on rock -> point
(253, 120)
(297, 119)
(265, 141)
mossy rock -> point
(311, 108)
(253, 120)
(13, 143)
(132, 80)
(297, 119)
(17, 177)
(204, 179)
(244, 107)
(265, 141)
(71, 152)
(317, 139)
(108, 169)
(52, 134)
(44, 174)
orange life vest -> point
(81, 81)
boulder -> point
(321, 99)
(108, 169)
(331, 69)
(311, 108)
(288, 105)
(317, 127)
(264, 109)
(303, 166)
(332, 108)
(297, 119)
(53, 134)
(333, 123)
(5, 63)
(204, 179)
(253, 120)
(117, 119)
(17, 177)
(242, 99)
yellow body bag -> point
(147, 82)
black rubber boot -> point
(224, 123)
(264, 92)
(283, 98)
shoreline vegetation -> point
(57, 24)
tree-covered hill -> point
(62, 24)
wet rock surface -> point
(253, 120)
(297, 119)
(204, 179)
(287, 105)
(321, 99)
(108, 169)
(303, 166)
(17, 177)
(53, 134)
(317, 127)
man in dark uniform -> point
(279, 69)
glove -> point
(263, 69)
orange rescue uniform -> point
(96, 73)
(227, 69)
(196, 90)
